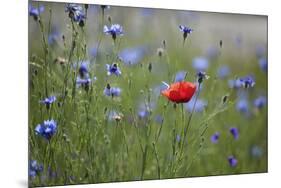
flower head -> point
(199, 106)
(47, 129)
(242, 105)
(84, 82)
(180, 76)
(178, 138)
(132, 56)
(232, 161)
(223, 71)
(114, 30)
(260, 102)
(263, 64)
(35, 12)
(235, 84)
(112, 91)
(247, 81)
(186, 30)
(235, 133)
(202, 76)
(113, 69)
(215, 137)
(145, 109)
(200, 64)
(83, 69)
(180, 92)
(75, 13)
(48, 101)
(34, 168)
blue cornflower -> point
(145, 110)
(235, 84)
(247, 81)
(263, 64)
(84, 82)
(235, 132)
(256, 151)
(215, 137)
(53, 36)
(47, 129)
(178, 138)
(159, 119)
(180, 76)
(242, 105)
(75, 13)
(35, 12)
(93, 51)
(201, 76)
(232, 161)
(34, 168)
(132, 56)
(112, 91)
(48, 101)
(260, 102)
(200, 64)
(113, 69)
(199, 106)
(84, 69)
(185, 30)
(223, 71)
(114, 30)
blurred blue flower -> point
(34, 168)
(113, 69)
(242, 105)
(263, 64)
(215, 137)
(112, 91)
(235, 84)
(53, 36)
(232, 161)
(35, 11)
(178, 138)
(114, 30)
(93, 51)
(48, 101)
(235, 132)
(200, 64)
(247, 81)
(180, 76)
(260, 51)
(256, 151)
(212, 52)
(223, 71)
(84, 82)
(260, 102)
(47, 129)
(159, 119)
(84, 69)
(75, 12)
(145, 109)
(132, 56)
(199, 106)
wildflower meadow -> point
(127, 94)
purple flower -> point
(235, 84)
(114, 30)
(132, 56)
(235, 133)
(178, 138)
(215, 137)
(199, 106)
(247, 81)
(34, 168)
(113, 69)
(232, 161)
(223, 71)
(242, 105)
(145, 110)
(185, 30)
(47, 129)
(180, 76)
(260, 102)
(35, 12)
(75, 12)
(200, 64)
(263, 64)
(202, 76)
(84, 82)
(112, 91)
(48, 101)
(84, 69)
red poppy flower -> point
(180, 92)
